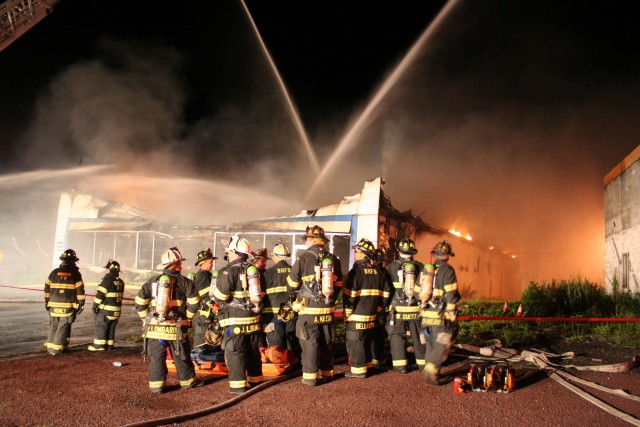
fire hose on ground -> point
(558, 373)
(222, 405)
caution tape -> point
(338, 313)
(553, 319)
(42, 290)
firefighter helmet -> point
(315, 232)
(170, 256)
(239, 245)
(443, 249)
(69, 256)
(204, 255)
(379, 255)
(260, 253)
(281, 250)
(407, 246)
(366, 247)
(112, 265)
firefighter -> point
(378, 355)
(201, 320)
(403, 313)
(107, 307)
(260, 262)
(166, 303)
(278, 326)
(64, 300)
(439, 320)
(316, 280)
(365, 294)
(238, 290)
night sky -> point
(503, 125)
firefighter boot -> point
(351, 374)
(431, 374)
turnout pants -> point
(199, 329)
(275, 332)
(439, 342)
(59, 333)
(180, 352)
(378, 339)
(397, 339)
(242, 356)
(105, 332)
(316, 342)
(359, 348)
(293, 343)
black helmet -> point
(379, 255)
(443, 249)
(260, 253)
(316, 232)
(407, 246)
(112, 265)
(204, 255)
(366, 247)
(69, 256)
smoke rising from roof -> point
(502, 128)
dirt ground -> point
(85, 389)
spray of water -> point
(355, 130)
(292, 109)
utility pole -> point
(19, 16)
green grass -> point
(575, 297)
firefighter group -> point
(245, 313)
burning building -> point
(622, 224)
(98, 229)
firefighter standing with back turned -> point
(378, 356)
(278, 319)
(403, 313)
(238, 289)
(64, 300)
(201, 320)
(439, 320)
(166, 303)
(365, 294)
(107, 307)
(316, 279)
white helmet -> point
(170, 256)
(280, 250)
(239, 245)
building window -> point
(625, 270)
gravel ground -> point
(85, 389)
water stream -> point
(355, 130)
(292, 108)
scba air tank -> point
(327, 278)
(409, 272)
(163, 296)
(253, 282)
(426, 283)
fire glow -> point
(459, 234)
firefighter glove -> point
(96, 309)
(450, 315)
(298, 305)
(80, 309)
